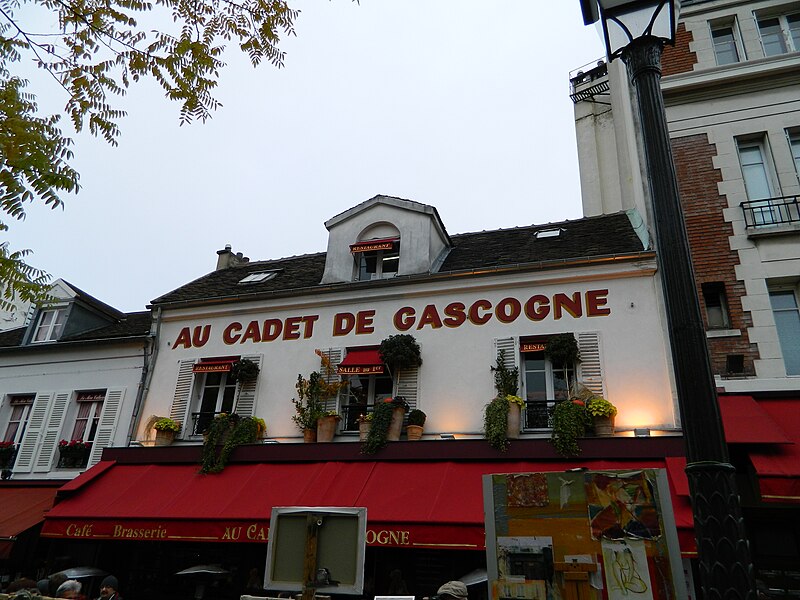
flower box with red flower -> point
(8, 451)
(73, 454)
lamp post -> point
(636, 31)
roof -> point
(136, 324)
(90, 300)
(588, 238)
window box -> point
(73, 454)
(8, 452)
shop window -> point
(20, 405)
(716, 303)
(780, 33)
(726, 43)
(786, 311)
(759, 178)
(376, 259)
(50, 325)
(544, 383)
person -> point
(71, 588)
(109, 589)
(452, 589)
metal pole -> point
(726, 570)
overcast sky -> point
(461, 104)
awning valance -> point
(746, 422)
(374, 245)
(361, 361)
(409, 504)
(22, 508)
(778, 467)
(215, 365)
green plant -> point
(570, 422)
(313, 391)
(167, 424)
(261, 425)
(600, 407)
(226, 432)
(516, 400)
(495, 423)
(562, 349)
(367, 418)
(506, 381)
(330, 413)
(417, 417)
(381, 420)
(400, 351)
(244, 369)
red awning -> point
(373, 245)
(361, 361)
(22, 508)
(778, 467)
(409, 504)
(214, 365)
(746, 422)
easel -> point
(576, 579)
(313, 523)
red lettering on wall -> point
(200, 335)
(291, 330)
(272, 330)
(539, 313)
(404, 318)
(343, 323)
(455, 315)
(475, 316)
(508, 309)
(571, 305)
(595, 300)
(364, 322)
(231, 334)
(184, 339)
(430, 316)
(308, 322)
(252, 333)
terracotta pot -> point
(309, 436)
(326, 428)
(363, 430)
(514, 418)
(604, 426)
(414, 432)
(164, 438)
(396, 426)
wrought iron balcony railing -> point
(538, 414)
(771, 211)
(201, 421)
(350, 414)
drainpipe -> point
(147, 375)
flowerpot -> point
(164, 438)
(414, 432)
(604, 426)
(513, 424)
(326, 428)
(363, 430)
(309, 436)
(396, 426)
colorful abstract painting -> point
(528, 490)
(622, 506)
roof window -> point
(548, 233)
(258, 277)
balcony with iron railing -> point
(771, 215)
(588, 81)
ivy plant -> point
(224, 435)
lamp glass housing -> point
(625, 21)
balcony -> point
(771, 215)
(589, 81)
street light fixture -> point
(636, 31)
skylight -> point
(259, 277)
(548, 233)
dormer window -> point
(258, 277)
(376, 259)
(50, 325)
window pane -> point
(383, 387)
(794, 30)
(772, 37)
(794, 141)
(783, 300)
(787, 321)
(535, 385)
(725, 46)
(368, 265)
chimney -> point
(227, 259)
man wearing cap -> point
(453, 589)
(108, 589)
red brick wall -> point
(678, 58)
(712, 257)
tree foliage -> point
(98, 50)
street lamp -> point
(636, 31)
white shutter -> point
(506, 350)
(112, 404)
(30, 441)
(246, 397)
(179, 411)
(590, 370)
(335, 355)
(52, 429)
(407, 385)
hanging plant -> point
(400, 351)
(562, 349)
(244, 369)
(495, 423)
(381, 419)
(224, 435)
(570, 422)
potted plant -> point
(416, 424)
(399, 410)
(73, 454)
(562, 349)
(326, 425)
(8, 451)
(244, 369)
(312, 394)
(570, 422)
(400, 351)
(381, 421)
(602, 413)
(225, 433)
(505, 411)
(166, 429)
(364, 425)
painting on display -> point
(581, 534)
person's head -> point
(69, 589)
(109, 586)
(453, 589)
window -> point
(794, 144)
(18, 420)
(787, 320)
(88, 418)
(361, 394)
(716, 305)
(724, 39)
(258, 277)
(780, 34)
(758, 181)
(50, 325)
(376, 258)
(217, 392)
(544, 384)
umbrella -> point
(473, 577)
(203, 570)
(80, 572)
